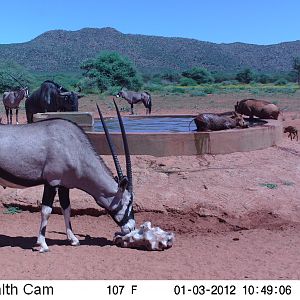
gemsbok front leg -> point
(64, 199)
(47, 203)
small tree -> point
(111, 69)
(296, 67)
(200, 75)
(245, 76)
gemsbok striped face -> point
(123, 213)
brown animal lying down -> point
(257, 108)
(293, 132)
(214, 122)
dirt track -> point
(235, 216)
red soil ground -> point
(235, 216)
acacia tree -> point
(110, 69)
(245, 76)
(296, 67)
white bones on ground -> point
(153, 238)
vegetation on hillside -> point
(61, 51)
(108, 72)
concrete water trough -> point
(158, 139)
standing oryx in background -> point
(11, 100)
(134, 97)
(58, 153)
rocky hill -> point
(63, 51)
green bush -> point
(152, 87)
(230, 82)
(184, 81)
(281, 81)
(196, 93)
(245, 76)
(110, 69)
(200, 75)
(209, 90)
(263, 78)
(177, 90)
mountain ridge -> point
(63, 51)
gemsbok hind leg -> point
(131, 108)
(47, 202)
(64, 199)
(17, 119)
(10, 116)
(7, 114)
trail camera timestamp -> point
(239, 290)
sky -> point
(260, 22)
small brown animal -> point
(214, 122)
(258, 108)
(293, 132)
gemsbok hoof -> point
(39, 248)
(43, 250)
(75, 243)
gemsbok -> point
(134, 97)
(58, 153)
(11, 100)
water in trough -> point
(157, 124)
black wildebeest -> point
(11, 100)
(258, 108)
(134, 97)
(58, 153)
(214, 122)
(50, 97)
